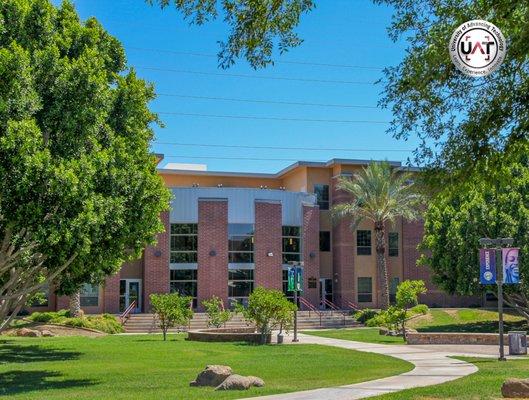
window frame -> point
(322, 190)
(393, 251)
(234, 236)
(360, 294)
(174, 252)
(94, 294)
(233, 282)
(363, 249)
(287, 234)
(327, 240)
(193, 280)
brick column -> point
(343, 254)
(212, 274)
(311, 252)
(111, 294)
(63, 303)
(268, 232)
(156, 265)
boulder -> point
(47, 333)
(256, 381)
(383, 331)
(212, 375)
(515, 388)
(235, 382)
(25, 332)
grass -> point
(145, 367)
(369, 335)
(483, 385)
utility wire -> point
(278, 147)
(265, 101)
(350, 121)
(195, 54)
(238, 158)
(280, 78)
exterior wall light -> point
(157, 253)
(212, 253)
(312, 254)
(270, 254)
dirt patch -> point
(59, 330)
(421, 320)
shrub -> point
(217, 315)
(105, 323)
(419, 309)
(363, 316)
(267, 309)
(43, 316)
(171, 310)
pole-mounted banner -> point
(487, 266)
(511, 271)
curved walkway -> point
(432, 367)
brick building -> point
(227, 233)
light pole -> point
(496, 245)
(295, 265)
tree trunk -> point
(382, 269)
(75, 305)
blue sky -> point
(343, 32)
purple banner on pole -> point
(487, 267)
(511, 271)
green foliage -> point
(171, 310)
(217, 315)
(257, 26)
(75, 128)
(419, 309)
(461, 119)
(105, 323)
(365, 315)
(268, 309)
(408, 293)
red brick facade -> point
(311, 253)
(156, 264)
(212, 274)
(268, 245)
(111, 294)
(343, 254)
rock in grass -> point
(239, 382)
(47, 333)
(212, 375)
(25, 332)
(515, 388)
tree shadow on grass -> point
(16, 382)
(11, 352)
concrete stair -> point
(145, 323)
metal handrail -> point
(334, 307)
(126, 314)
(310, 306)
(353, 306)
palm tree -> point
(379, 194)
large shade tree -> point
(257, 27)
(79, 191)
(460, 214)
(380, 194)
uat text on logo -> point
(477, 48)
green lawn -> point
(369, 335)
(483, 385)
(464, 320)
(144, 367)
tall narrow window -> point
(89, 295)
(184, 240)
(291, 244)
(393, 285)
(365, 289)
(240, 243)
(325, 241)
(240, 284)
(363, 243)
(184, 282)
(393, 244)
(322, 196)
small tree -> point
(217, 315)
(395, 317)
(171, 310)
(267, 309)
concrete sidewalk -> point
(432, 367)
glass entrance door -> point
(325, 292)
(129, 291)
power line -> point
(278, 147)
(265, 101)
(274, 118)
(195, 54)
(280, 78)
(238, 158)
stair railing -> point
(335, 308)
(310, 307)
(352, 306)
(126, 314)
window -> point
(184, 240)
(393, 285)
(291, 244)
(184, 282)
(393, 244)
(240, 284)
(89, 295)
(325, 241)
(365, 290)
(286, 292)
(240, 243)
(363, 243)
(322, 196)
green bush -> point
(217, 315)
(43, 316)
(105, 323)
(171, 310)
(365, 315)
(419, 309)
